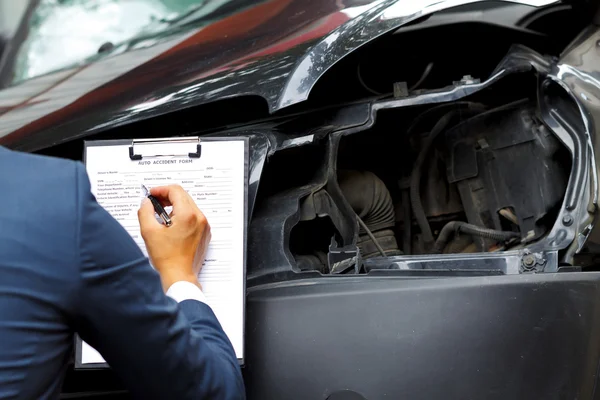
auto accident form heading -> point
(217, 183)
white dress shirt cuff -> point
(183, 290)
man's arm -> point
(158, 349)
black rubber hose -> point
(369, 198)
(415, 179)
(406, 234)
(428, 114)
(458, 226)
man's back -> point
(38, 240)
(66, 266)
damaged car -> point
(423, 180)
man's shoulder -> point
(37, 161)
(37, 171)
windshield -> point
(66, 32)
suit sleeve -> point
(158, 348)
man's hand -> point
(177, 252)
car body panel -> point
(274, 49)
(506, 337)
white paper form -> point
(215, 181)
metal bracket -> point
(532, 262)
(192, 140)
(343, 259)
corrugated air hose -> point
(371, 201)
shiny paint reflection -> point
(276, 49)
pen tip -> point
(145, 190)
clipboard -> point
(180, 148)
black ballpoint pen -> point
(157, 206)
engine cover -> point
(507, 159)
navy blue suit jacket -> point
(67, 266)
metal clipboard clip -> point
(194, 142)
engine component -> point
(455, 227)
(371, 236)
(415, 179)
(407, 230)
(321, 204)
(532, 262)
(507, 165)
(312, 262)
(342, 259)
(370, 199)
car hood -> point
(275, 49)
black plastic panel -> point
(504, 337)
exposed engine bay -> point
(479, 177)
(456, 179)
(466, 178)
(449, 163)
